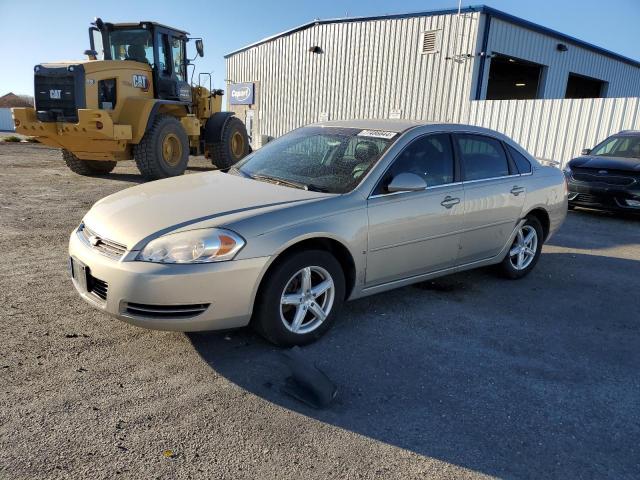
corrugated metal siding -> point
(6, 122)
(556, 129)
(513, 40)
(367, 70)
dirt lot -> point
(466, 377)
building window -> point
(512, 78)
(579, 86)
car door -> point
(494, 196)
(411, 233)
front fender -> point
(347, 228)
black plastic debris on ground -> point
(307, 383)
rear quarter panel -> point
(546, 189)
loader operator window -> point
(163, 54)
(131, 44)
(177, 48)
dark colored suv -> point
(607, 177)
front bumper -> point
(84, 139)
(603, 197)
(228, 287)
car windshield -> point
(622, 146)
(326, 159)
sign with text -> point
(241, 93)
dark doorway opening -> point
(579, 86)
(512, 78)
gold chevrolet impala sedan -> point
(327, 213)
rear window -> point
(520, 160)
(482, 157)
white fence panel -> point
(556, 129)
(6, 122)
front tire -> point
(164, 150)
(234, 144)
(87, 167)
(524, 251)
(300, 298)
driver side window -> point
(430, 157)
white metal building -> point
(437, 65)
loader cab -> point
(161, 47)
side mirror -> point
(200, 47)
(585, 151)
(406, 182)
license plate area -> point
(79, 272)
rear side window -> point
(520, 160)
(482, 157)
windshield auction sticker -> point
(377, 134)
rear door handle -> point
(449, 202)
(516, 190)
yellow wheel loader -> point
(131, 101)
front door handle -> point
(449, 202)
(516, 190)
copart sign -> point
(241, 93)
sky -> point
(41, 31)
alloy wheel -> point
(524, 247)
(307, 300)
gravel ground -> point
(466, 377)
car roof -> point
(400, 126)
(373, 124)
(630, 133)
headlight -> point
(195, 246)
(567, 170)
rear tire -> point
(525, 250)
(275, 318)
(87, 167)
(164, 150)
(234, 144)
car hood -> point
(613, 163)
(136, 215)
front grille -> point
(59, 92)
(104, 246)
(612, 177)
(586, 198)
(97, 287)
(165, 311)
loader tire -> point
(87, 167)
(234, 144)
(164, 150)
